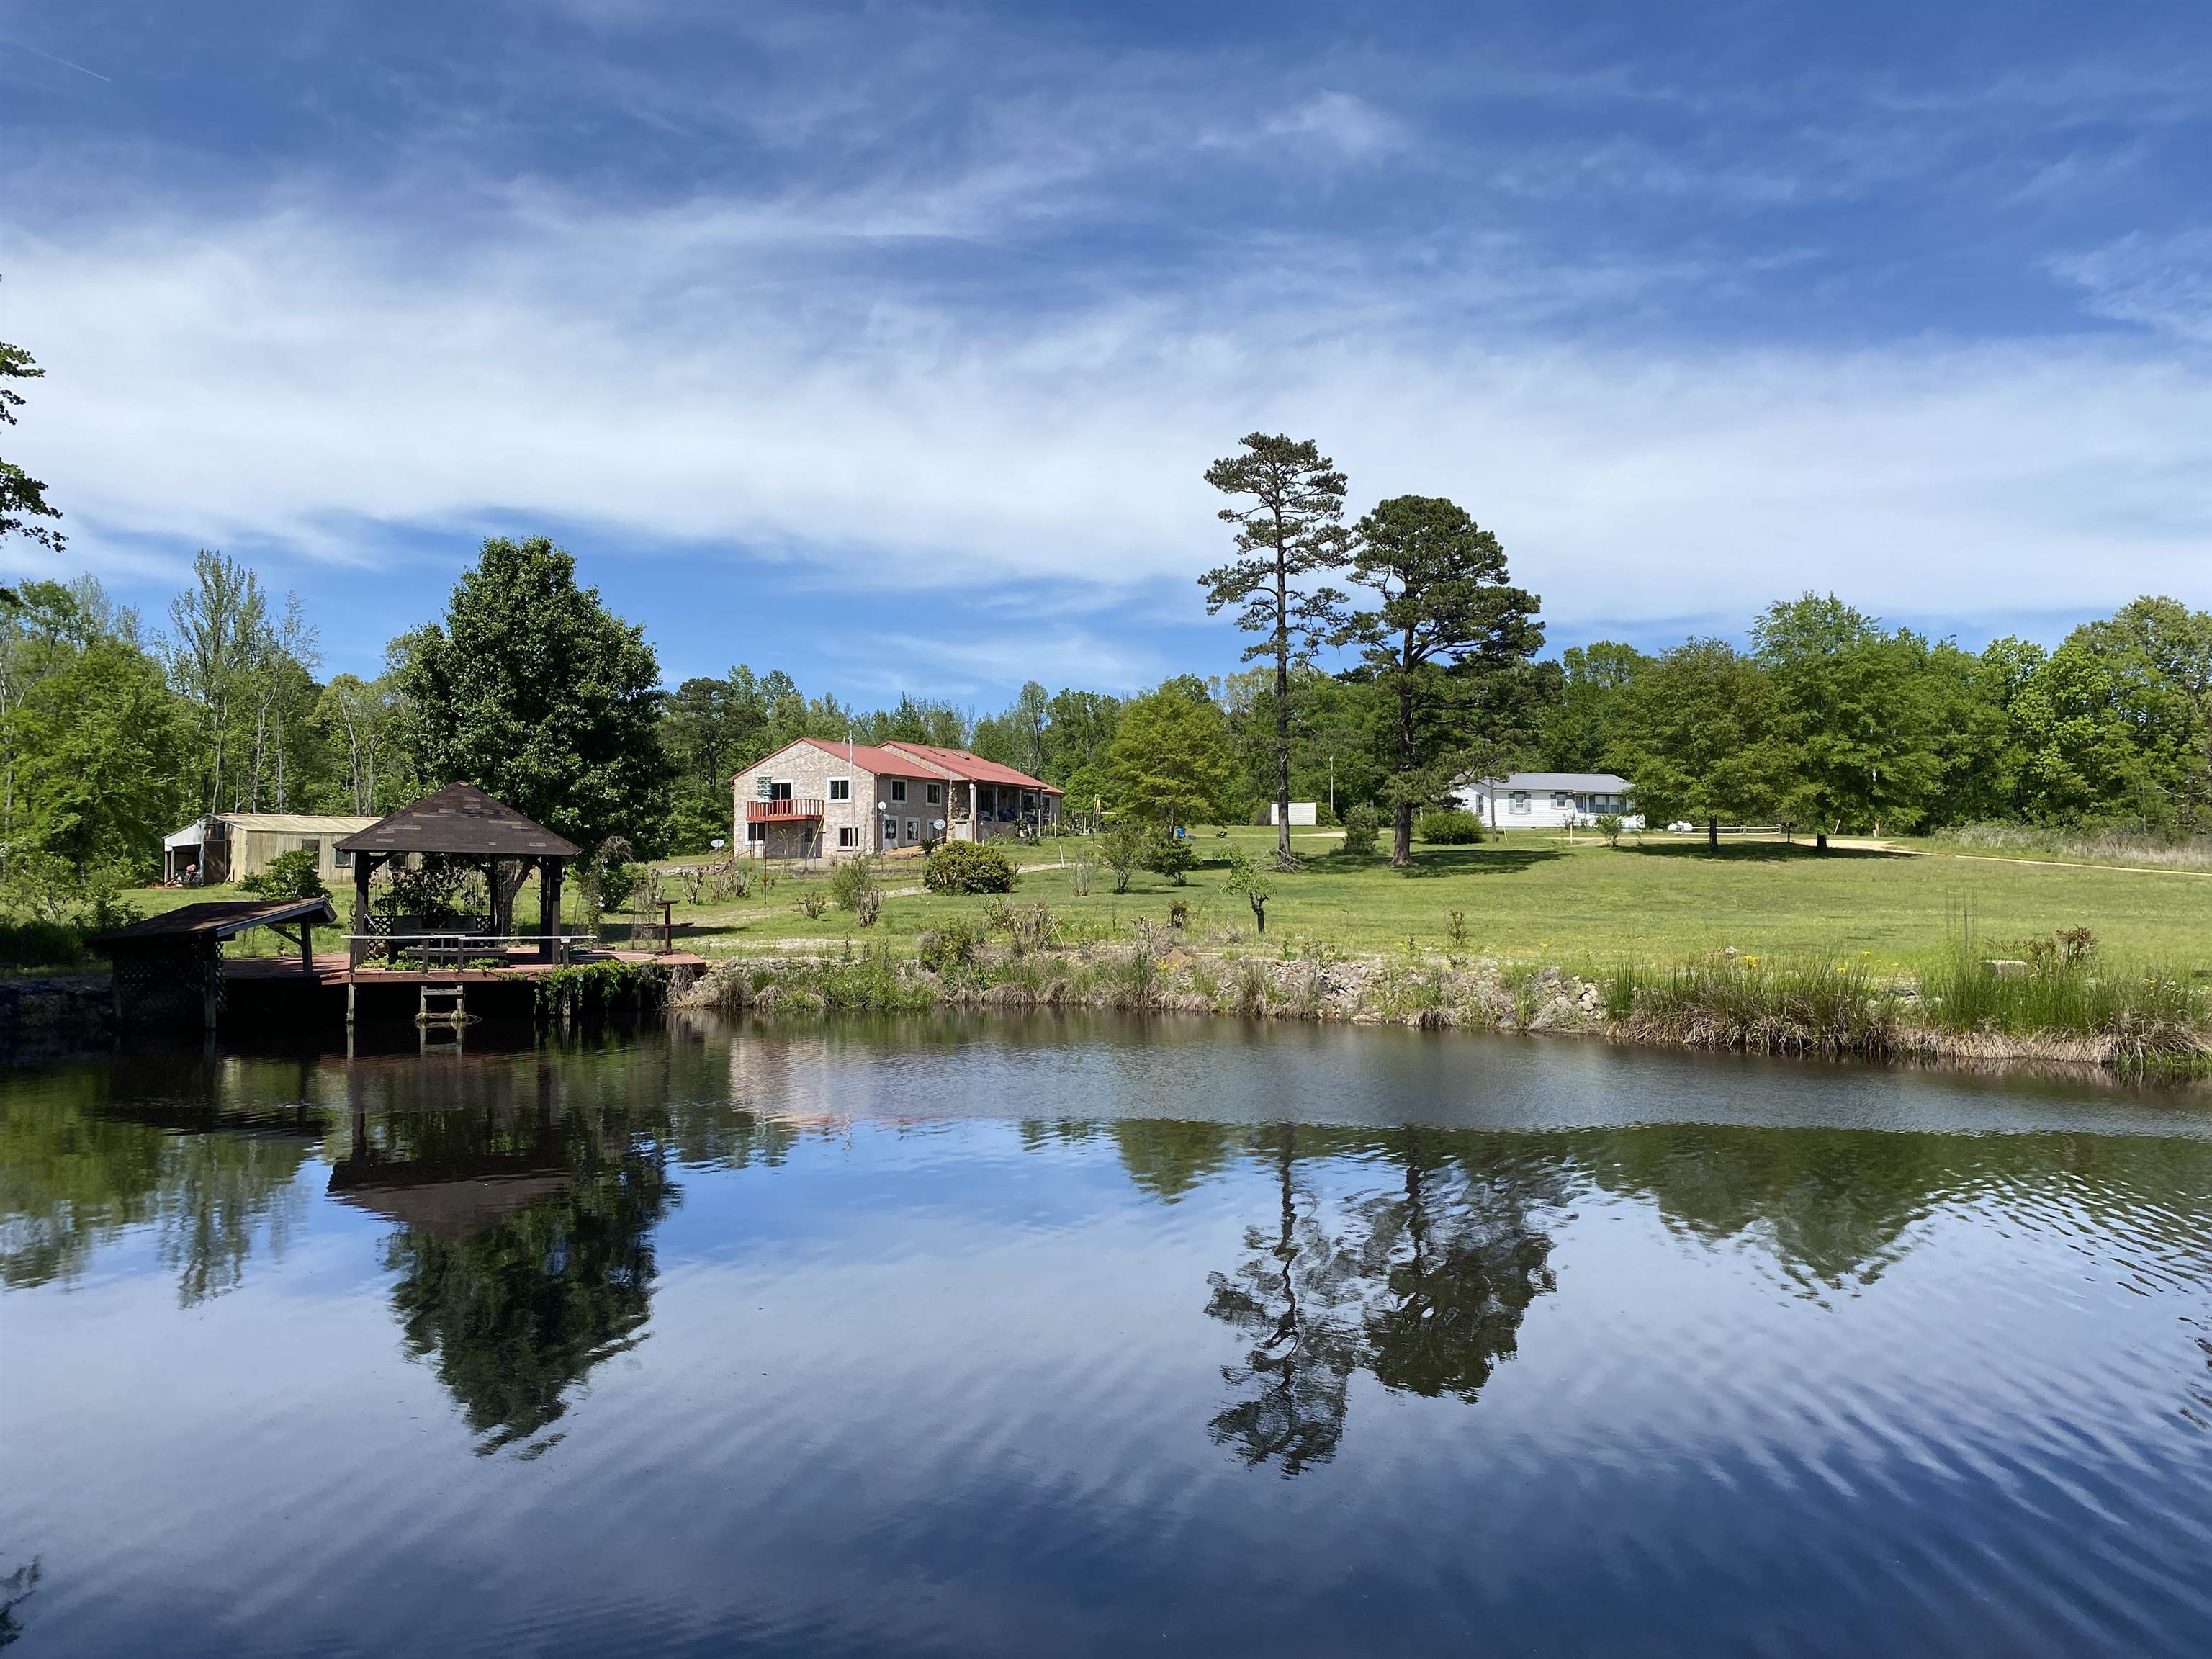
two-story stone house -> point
(819, 799)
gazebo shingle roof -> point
(460, 820)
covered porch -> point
(982, 812)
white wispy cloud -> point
(2163, 283)
(671, 375)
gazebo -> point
(462, 822)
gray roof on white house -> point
(1573, 783)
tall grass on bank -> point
(2087, 846)
(2127, 1015)
(1758, 1006)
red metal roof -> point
(974, 768)
(866, 756)
(917, 760)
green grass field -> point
(1531, 896)
(1537, 896)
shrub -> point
(1123, 848)
(1361, 828)
(289, 875)
(813, 902)
(617, 883)
(1179, 913)
(852, 879)
(40, 943)
(1250, 883)
(1448, 826)
(968, 866)
(1609, 825)
(952, 947)
(1169, 856)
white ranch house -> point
(1553, 800)
(818, 799)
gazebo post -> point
(548, 908)
(364, 866)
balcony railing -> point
(782, 808)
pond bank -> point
(1971, 1011)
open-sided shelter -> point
(462, 822)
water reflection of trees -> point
(1423, 1286)
(96, 1152)
(525, 1204)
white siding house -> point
(1541, 800)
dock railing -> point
(453, 949)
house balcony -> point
(783, 810)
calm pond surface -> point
(1086, 1336)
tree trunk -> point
(1401, 815)
(1819, 840)
(1713, 833)
(1282, 706)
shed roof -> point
(284, 824)
(220, 918)
(460, 820)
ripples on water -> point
(1076, 1337)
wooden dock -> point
(273, 991)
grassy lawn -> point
(1533, 894)
(1529, 894)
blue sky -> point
(888, 344)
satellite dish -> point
(937, 823)
(717, 843)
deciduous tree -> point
(1704, 737)
(534, 691)
(1170, 754)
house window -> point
(898, 788)
(847, 835)
(313, 849)
(891, 832)
(932, 793)
(342, 859)
(756, 831)
(1520, 802)
(914, 829)
(1564, 803)
(841, 789)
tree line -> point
(114, 730)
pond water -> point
(1080, 1336)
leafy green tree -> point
(1293, 528)
(1171, 756)
(1336, 726)
(1078, 731)
(217, 626)
(22, 497)
(1123, 848)
(1704, 736)
(1018, 736)
(534, 691)
(1861, 708)
(1448, 629)
(103, 752)
(361, 721)
(1575, 730)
